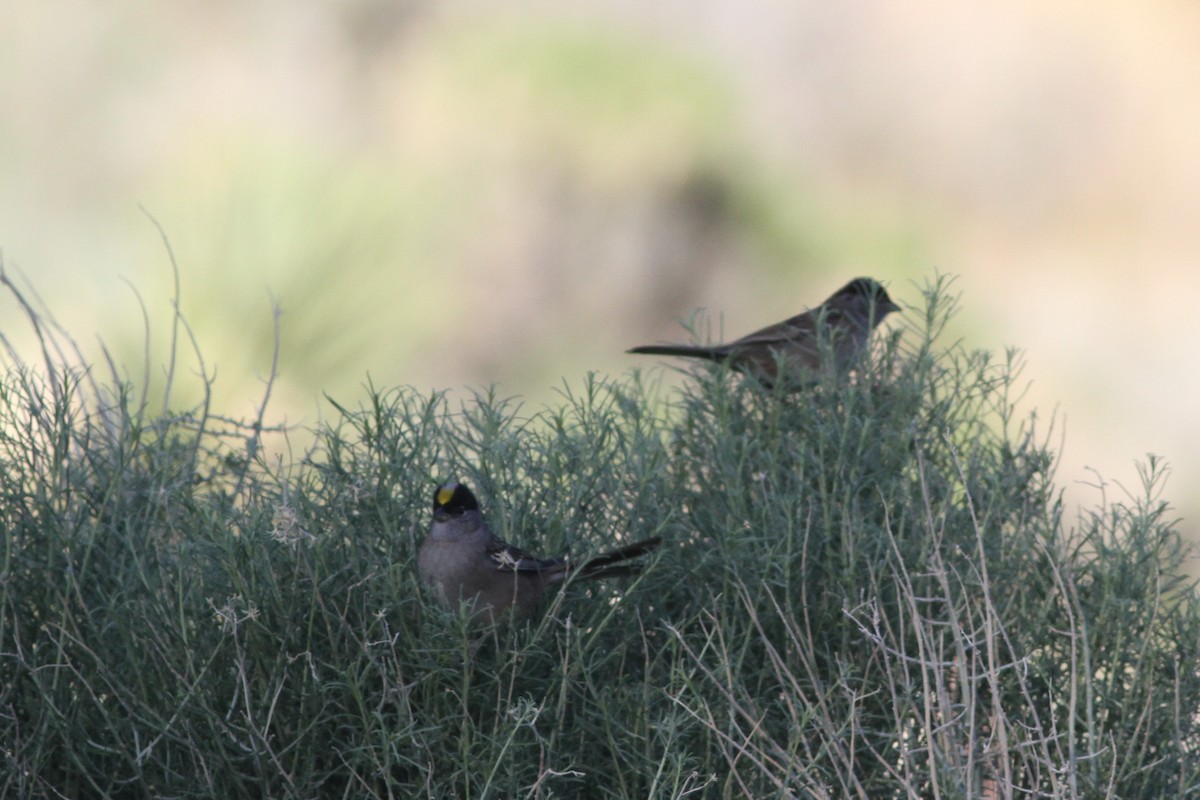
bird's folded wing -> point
(800, 331)
(512, 559)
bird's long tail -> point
(686, 351)
(613, 563)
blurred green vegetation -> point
(533, 178)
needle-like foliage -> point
(867, 589)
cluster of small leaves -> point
(866, 590)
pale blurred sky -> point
(455, 193)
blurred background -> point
(454, 193)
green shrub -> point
(867, 590)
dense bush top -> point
(868, 590)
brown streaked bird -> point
(462, 559)
(839, 327)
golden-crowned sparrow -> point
(462, 559)
(837, 329)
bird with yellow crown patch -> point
(463, 560)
